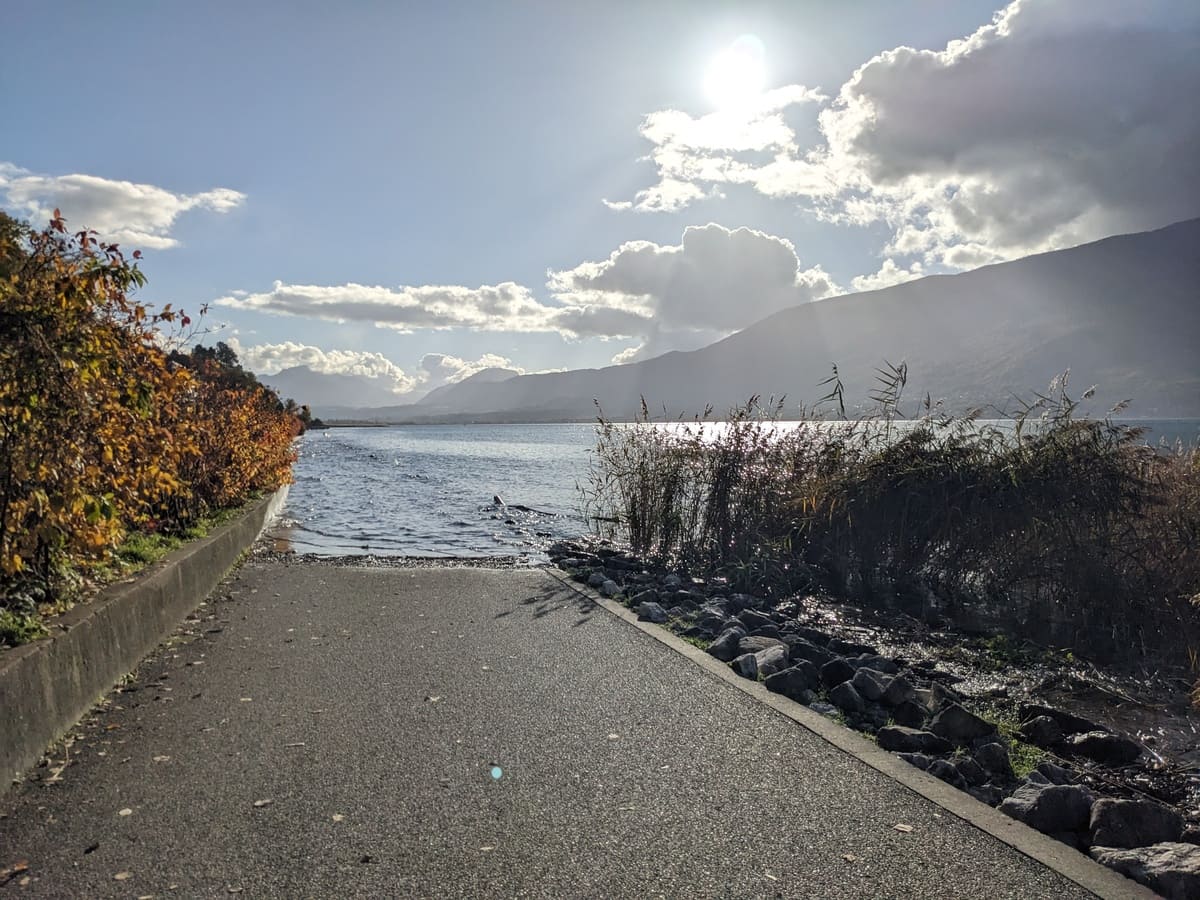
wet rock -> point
(911, 740)
(909, 713)
(948, 773)
(1134, 823)
(849, 648)
(1068, 722)
(753, 619)
(795, 682)
(1054, 774)
(1105, 747)
(753, 644)
(847, 699)
(960, 725)
(993, 757)
(746, 665)
(771, 660)
(920, 760)
(898, 691)
(725, 647)
(1170, 869)
(804, 649)
(971, 772)
(1050, 807)
(868, 684)
(876, 663)
(651, 612)
(836, 671)
(1041, 731)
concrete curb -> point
(1071, 864)
(47, 686)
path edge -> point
(48, 685)
(1067, 862)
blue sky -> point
(415, 191)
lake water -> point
(427, 490)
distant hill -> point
(1122, 313)
(493, 375)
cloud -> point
(889, 273)
(121, 211)
(270, 359)
(1056, 123)
(669, 297)
(503, 307)
(682, 296)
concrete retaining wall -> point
(47, 686)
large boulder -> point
(836, 671)
(804, 649)
(746, 665)
(754, 643)
(1134, 823)
(1170, 869)
(1105, 747)
(869, 684)
(911, 740)
(898, 691)
(771, 660)
(753, 619)
(960, 725)
(725, 647)
(1068, 722)
(948, 773)
(1050, 808)
(651, 611)
(1041, 731)
(797, 682)
(847, 699)
(993, 758)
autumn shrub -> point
(1049, 524)
(101, 432)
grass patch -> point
(20, 628)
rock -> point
(596, 579)
(753, 619)
(836, 671)
(1191, 834)
(714, 607)
(920, 760)
(1041, 731)
(675, 612)
(651, 612)
(771, 660)
(746, 665)
(1054, 774)
(846, 698)
(813, 635)
(1068, 722)
(911, 740)
(803, 649)
(948, 773)
(826, 709)
(876, 663)
(1074, 839)
(960, 725)
(795, 682)
(971, 771)
(849, 648)
(868, 684)
(649, 596)
(752, 644)
(672, 581)
(898, 690)
(1134, 823)
(1105, 747)
(1050, 807)
(909, 713)
(987, 793)
(771, 631)
(610, 588)
(1170, 869)
(725, 647)
(570, 562)
(744, 601)
(993, 758)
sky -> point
(413, 192)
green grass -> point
(20, 628)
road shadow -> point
(555, 597)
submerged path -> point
(331, 732)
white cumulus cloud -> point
(270, 359)
(141, 215)
(889, 273)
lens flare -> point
(738, 74)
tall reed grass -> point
(1054, 526)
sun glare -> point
(737, 74)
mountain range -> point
(1122, 314)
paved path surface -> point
(369, 707)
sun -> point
(736, 75)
